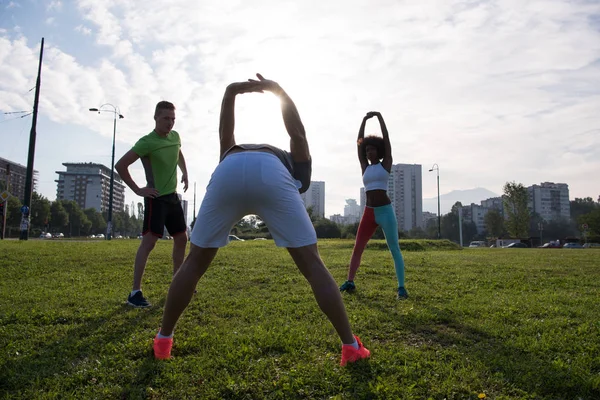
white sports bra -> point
(375, 178)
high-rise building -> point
(405, 191)
(16, 177)
(88, 184)
(550, 200)
(315, 197)
(352, 211)
(475, 213)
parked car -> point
(58, 236)
(572, 246)
(517, 245)
(550, 245)
(477, 243)
(233, 237)
(46, 235)
(260, 238)
(100, 236)
(590, 245)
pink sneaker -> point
(162, 348)
(350, 354)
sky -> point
(490, 91)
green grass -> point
(508, 323)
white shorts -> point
(252, 182)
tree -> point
(494, 223)
(311, 213)
(515, 201)
(580, 207)
(40, 211)
(78, 221)
(140, 207)
(327, 229)
(97, 220)
(59, 218)
(592, 219)
(13, 212)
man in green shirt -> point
(160, 153)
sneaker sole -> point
(137, 305)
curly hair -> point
(372, 140)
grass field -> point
(499, 323)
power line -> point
(12, 119)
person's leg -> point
(387, 219)
(324, 289)
(141, 257)
(179, 244)
(366, 229)
(175, 224)
(183, 285)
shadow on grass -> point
(536, 373)
(87, 353)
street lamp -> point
(437, 168)
(116, 112)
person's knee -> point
(180, 240)
(148, 242)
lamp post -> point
(116, 113)
(437, 169)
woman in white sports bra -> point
(375, 156)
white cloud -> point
(83, 30)
(12, 4)
(491, 91)
(50, 21)
(54, 5)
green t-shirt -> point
(163, 153)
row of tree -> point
(65, 216)
(517, 223)
(68, 218)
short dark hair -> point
(373, 140)
(163, 105)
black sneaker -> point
(138, 300)
(402, 293)
(348, 286)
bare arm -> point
(291, 119)
(227, 118)
(183, 168)
(362, 157)
(227, 121)
(122, 167)
(295, 128)
(387, 156)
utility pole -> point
(29, 176)
(4, 203)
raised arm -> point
(362, 157)
(227, 118)
(291, 119)
(387, 156)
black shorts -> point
(163, 211)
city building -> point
(352, 211)
(338, 219)
(495, 203)
(428, 216)
(406, 193)
(88, 184)
(15, 174)
(550, 200)
(315, 197)
(475, 213)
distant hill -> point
(466, 197)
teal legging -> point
(372, 218)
